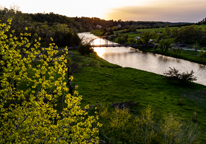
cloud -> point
(183, 11)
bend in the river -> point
(129, 57)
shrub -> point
(165, 44)
(183, 77)
(203, 53)
(85, 48)
(73, 66)
(120, 126)
(145, 37)
(196, 46)
(177, 51)
(25, 117)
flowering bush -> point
(29, 75)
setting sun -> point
(153, 10)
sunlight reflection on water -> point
(128, 57)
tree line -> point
(63, 29)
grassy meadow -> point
(101, 82)
(132, 34)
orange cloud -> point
(183, 11)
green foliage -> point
(114, 28)
(132, 28)
(120, 126)
(189, 34)
(186, 34)
(167, 30)
(30, 89)
(165, 44)
(121, 39)
(193, 56)
(175, 131)
(142, 87)
(202, 53)
(146, 36)
(131, 41)
(85, 48)
(73, 65)
(98, 32)
(182, 77)
(203, 21)
(65, 36)
(196, 45)
(63, 33)
(177, 51)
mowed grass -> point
(106, 83)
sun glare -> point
(100, 51)
(98, 41)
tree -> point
(131, 41)
(165, 44)
(145, 37)
(167, 30)
(196, 46)
(85, 48)
(32, 82)
(189, 34)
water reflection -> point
(100, 51)
(129, 57)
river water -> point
(129, 57)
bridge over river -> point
(123, 45)
(115, 45)
(126, 57)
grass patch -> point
(193, 56)
(132, 34)
(108, 83)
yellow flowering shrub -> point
(28, 77)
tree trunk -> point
(69, 83)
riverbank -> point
(190, 55)
(193, 56)
(106, 83)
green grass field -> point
(132, 34)
(105, 83)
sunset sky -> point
(137, 10)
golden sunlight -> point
(100, 51)
(98, 41)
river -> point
(129, 57)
